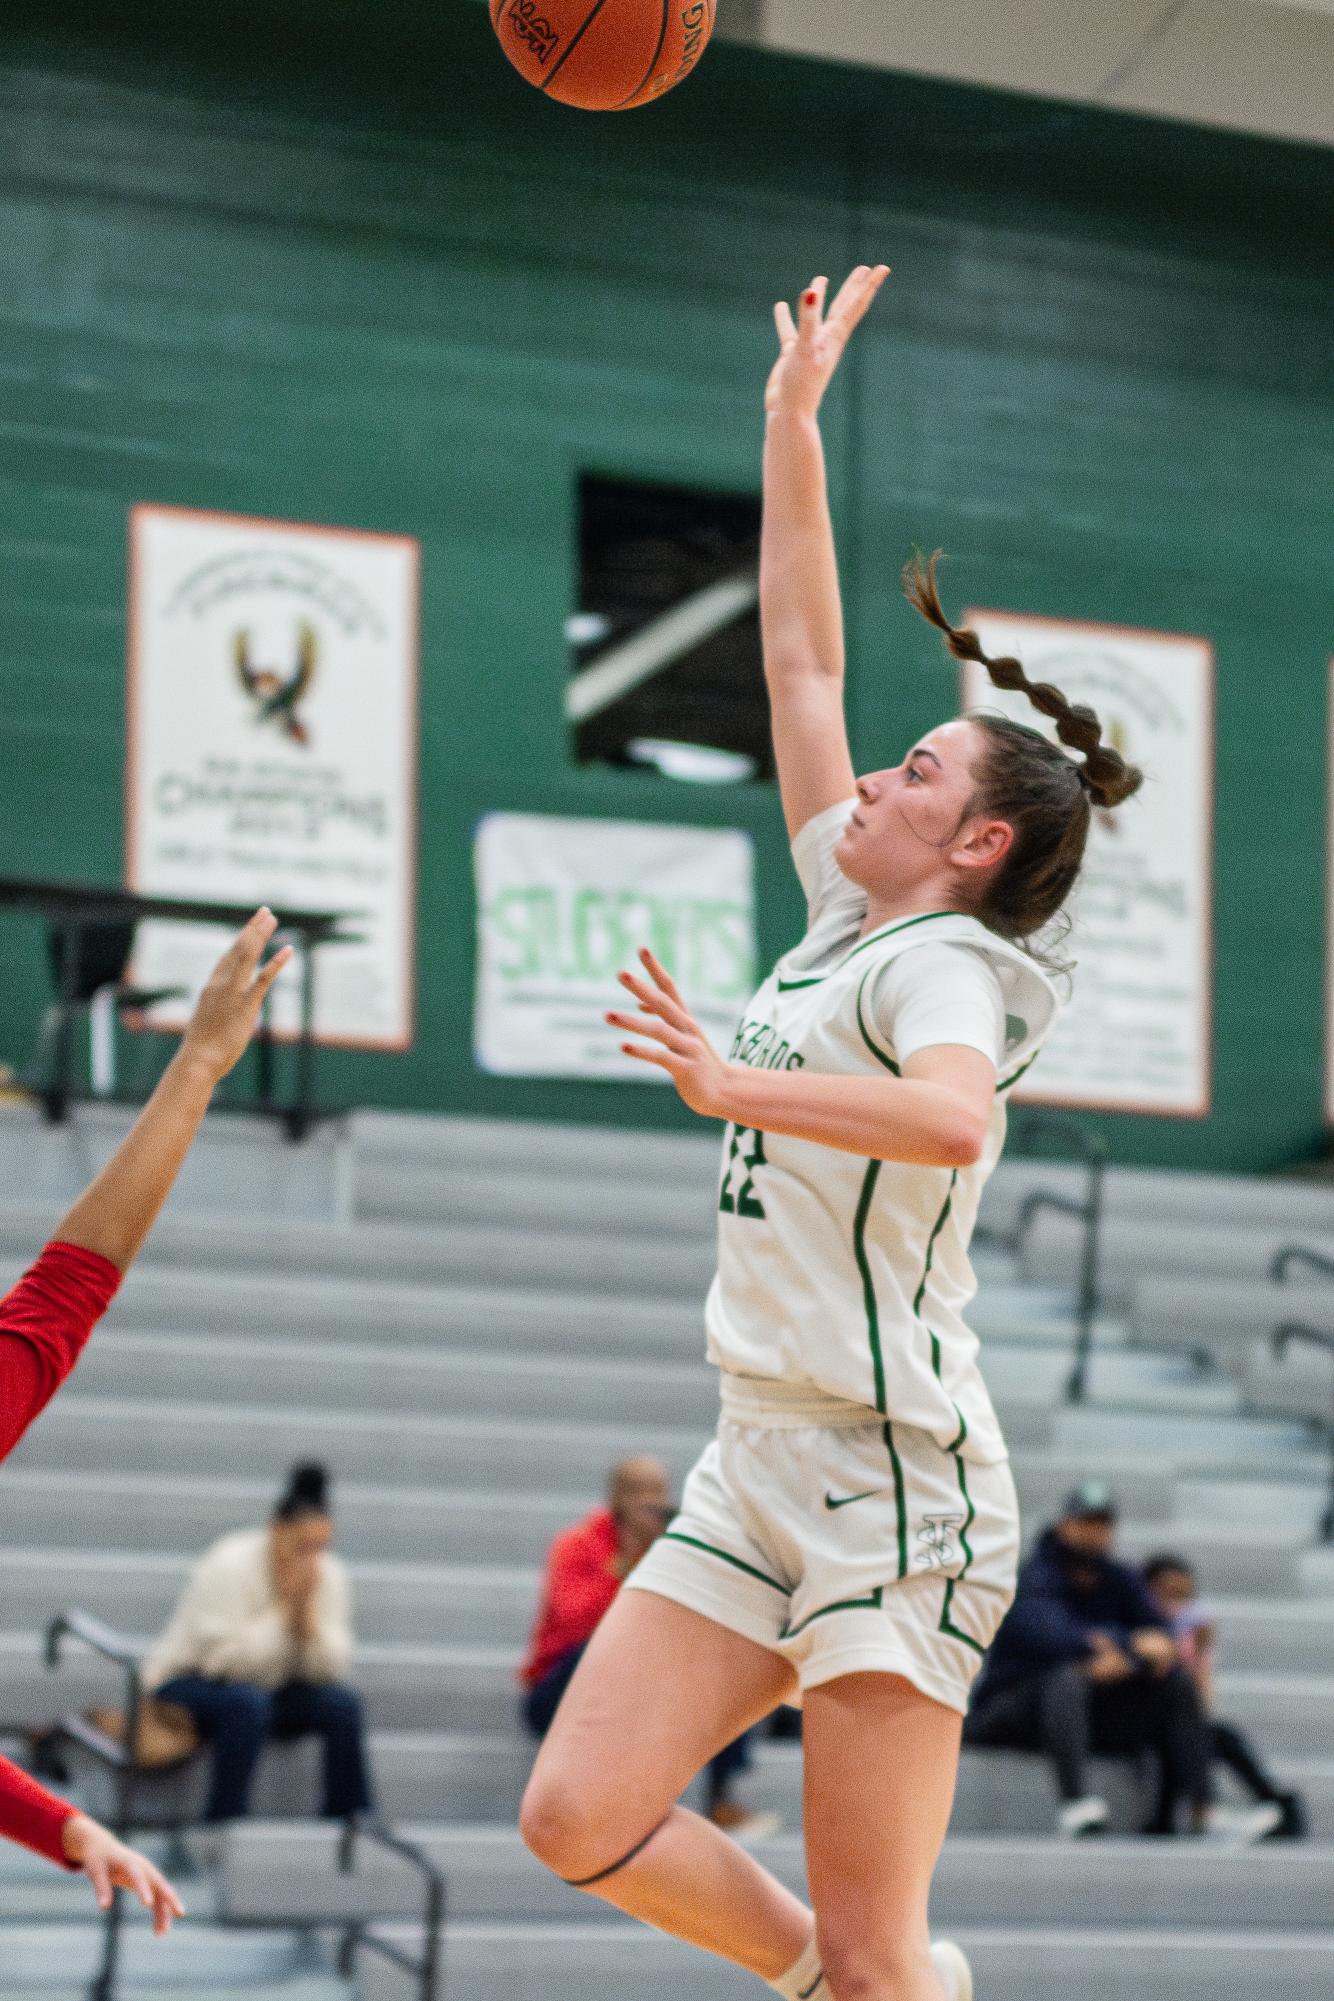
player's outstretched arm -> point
(935, 1115)
(114, 1215)
(47, 1318)
(801, 612)
(50, 1826)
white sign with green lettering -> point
(564, 904)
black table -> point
(68, 906)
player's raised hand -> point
(227, 1010)
(110, 1865)
(676, 1042)
(811, 345)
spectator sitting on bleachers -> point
(1279, 1814)
(1084, 1663)
(585, 1568)
(258, 1648)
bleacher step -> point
(296, 1987)
(497, 1378)
(192, 1959)
(516, 1962)
(274, 1870)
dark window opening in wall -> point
(665, 666)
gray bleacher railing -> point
(1289, 1331)
(363, 1936)
(120, 1757)
(1087, 1146)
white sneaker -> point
(1082, 1817)
(1243, 1825)
(952, 1971)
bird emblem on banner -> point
(276, 696)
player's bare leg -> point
(881, 1762)
(660, 1690)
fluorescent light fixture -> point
(692, 763)
(660, 643)
(586, 628)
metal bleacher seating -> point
(469, 1322)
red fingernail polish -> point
(811, 298)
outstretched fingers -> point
(162, 1900)
(135, 1873)
(660, 1057)
(810, 311)
(855, 298)
(97, 1868)
(247, 948)
(660, 1031)
(660, 976)
(266, 977)
(658, 1001)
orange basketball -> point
(604, 55)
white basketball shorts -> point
(844, 1543)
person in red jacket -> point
(586, 1565)
(47, 1319)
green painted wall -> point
(339, 264)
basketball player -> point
(852, 1532)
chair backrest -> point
(101, 954)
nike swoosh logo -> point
(848, 1499)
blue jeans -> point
(541, 1701)
(237, 1720)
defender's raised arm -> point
(47, 1318)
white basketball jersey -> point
(852, 1275)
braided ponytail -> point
(1104, 772)
(1025, 779)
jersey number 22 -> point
(744, 1201)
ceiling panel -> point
(1264, 66)
(1257, 67)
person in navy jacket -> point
(1084, 1664)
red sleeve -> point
(31, 1815)
(44, 1323)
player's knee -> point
(561, 1825)
(859, 1966)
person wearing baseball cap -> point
(1084, 1664)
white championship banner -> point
(564, 904)
(1137, 1034)
(272, 752)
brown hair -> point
(1029, 781)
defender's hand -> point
(110, 1865)
(678, 1044)
(227, 1010)
(811, 346)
